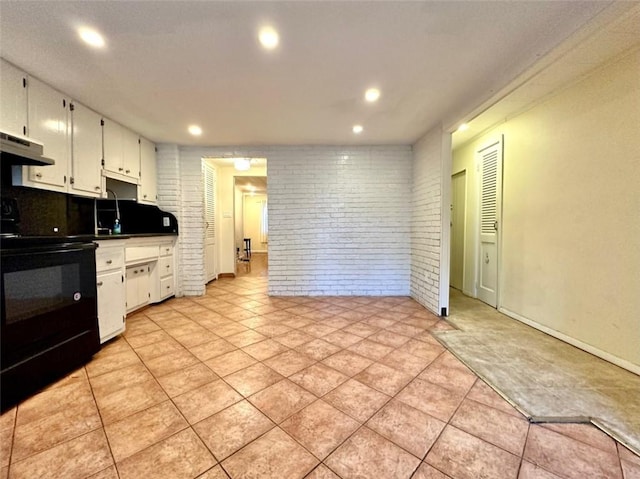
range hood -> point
(19, 150)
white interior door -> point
(458, 214)
(490, 163)
(209, 175)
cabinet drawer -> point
(165, 266)
(166, 250)
(166, 287)
(109, 258)
(140, 253)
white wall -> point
(570, 260)
(339, 221)
(338, 217)
(429, 239)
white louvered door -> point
(209, 175)
(490, 162)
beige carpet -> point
(546, 379)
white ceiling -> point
(169, 64)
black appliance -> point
(49, 321)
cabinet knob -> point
(120, 169)
(168, 266)
(168, 287)
(99, 283)
(128, 171)
(109, 261)
(97, 188)
(38, 175)
(144, 196)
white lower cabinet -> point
(165, 271)
(110, 309)
(138, 286)
(111, 288)
(131, 273)
(149, 263)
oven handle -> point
(48, 248)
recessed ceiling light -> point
(357, 129)
(195, 130)
(463, 127)
(268, 37)
(91, 37)
(372, 94)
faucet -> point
(116, 198)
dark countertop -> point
(34, 241)
(126, 236)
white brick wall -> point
(339, 217)
(170, 199)
(339, 221)
(180, 192)
(429, 240)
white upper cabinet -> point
(148, 189)
(131, 154)
(86, 151)
(85, 146)
(121, 152)
(13, 99)
(48, 113)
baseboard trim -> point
(623, 363)
(226, 275)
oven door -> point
(49, 313)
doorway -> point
(251, 226)
(458, 219)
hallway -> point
(545, 378)
(239, 384)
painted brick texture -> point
(426, 221)
(339, 221)
(339, 217)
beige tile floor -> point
(547, 379)
(239, 384)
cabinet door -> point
(138, 293)
(48, 124)
(111, 309)
(113, 150)
(148, 175)
(13, 99)
(131, 154)
(86, 150)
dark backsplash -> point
(42, 211)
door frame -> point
(464, 226)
